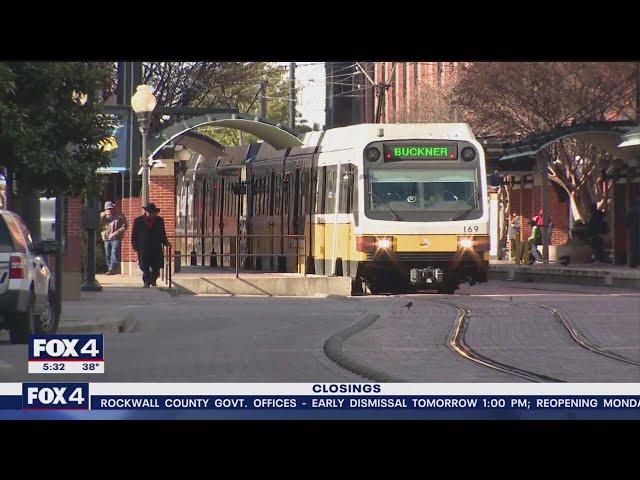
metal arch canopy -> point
(598, 133)
(278, 136)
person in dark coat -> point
(597, 227)
(147, 238)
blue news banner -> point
(362, 401)
(57, 355)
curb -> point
(108, 325)
(333, 350)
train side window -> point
(319, 191)
(347, 182)
(330, 190)
(265, 196)
(304, 192)
(227, 198)
(287, 188)
(318, 181)
(272, 192)
(276, 196)
(256, 197)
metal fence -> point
(173, 257)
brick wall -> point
(130, 208)
(162, 193)
(531, 203)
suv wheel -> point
(47, 321)
(22, 324)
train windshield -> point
(423, 195)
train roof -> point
(347, 137)
(342, 138)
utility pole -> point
(292, 95)
(262, 100)
(380, 88)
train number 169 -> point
(470, 228)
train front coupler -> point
(426, 276)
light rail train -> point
(393, 206)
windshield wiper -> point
(461, 210)
(393, 212)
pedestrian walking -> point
(513, 232)
(147, 238)
(112, 228)
(535, 239)
(539, 218)
(632, 222)
(597, 227)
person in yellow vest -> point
(513, 232)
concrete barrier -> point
(572, 275)
(311, 285)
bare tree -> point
(520, 99)
(205, 84)
(430, 103)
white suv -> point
(27, 301)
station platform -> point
(222, 281)
(594, 274)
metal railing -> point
(173, 257)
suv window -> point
(16, 228)
(6, 242)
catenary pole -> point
(292, 95)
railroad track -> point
(581, 340)
(458, 344)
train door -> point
(250, 215)
(297, 219)
(318, 225)
(213, 261)
(282, 218)
(242, 229)
(222, 207)
(347, 178)
(260, 215)
(272, 219)
(331, 227)
(203, 220)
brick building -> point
(410, 82)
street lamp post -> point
(143, 103)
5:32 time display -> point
(53, 366)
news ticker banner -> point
(84, 354)
(316, 400)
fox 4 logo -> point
(66, 347)
(55, 396)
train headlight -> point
(465, 243)
(372, 154)
(385, 243)
(468, 154)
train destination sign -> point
(420, 152)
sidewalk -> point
(596, 274)
(110, 311)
